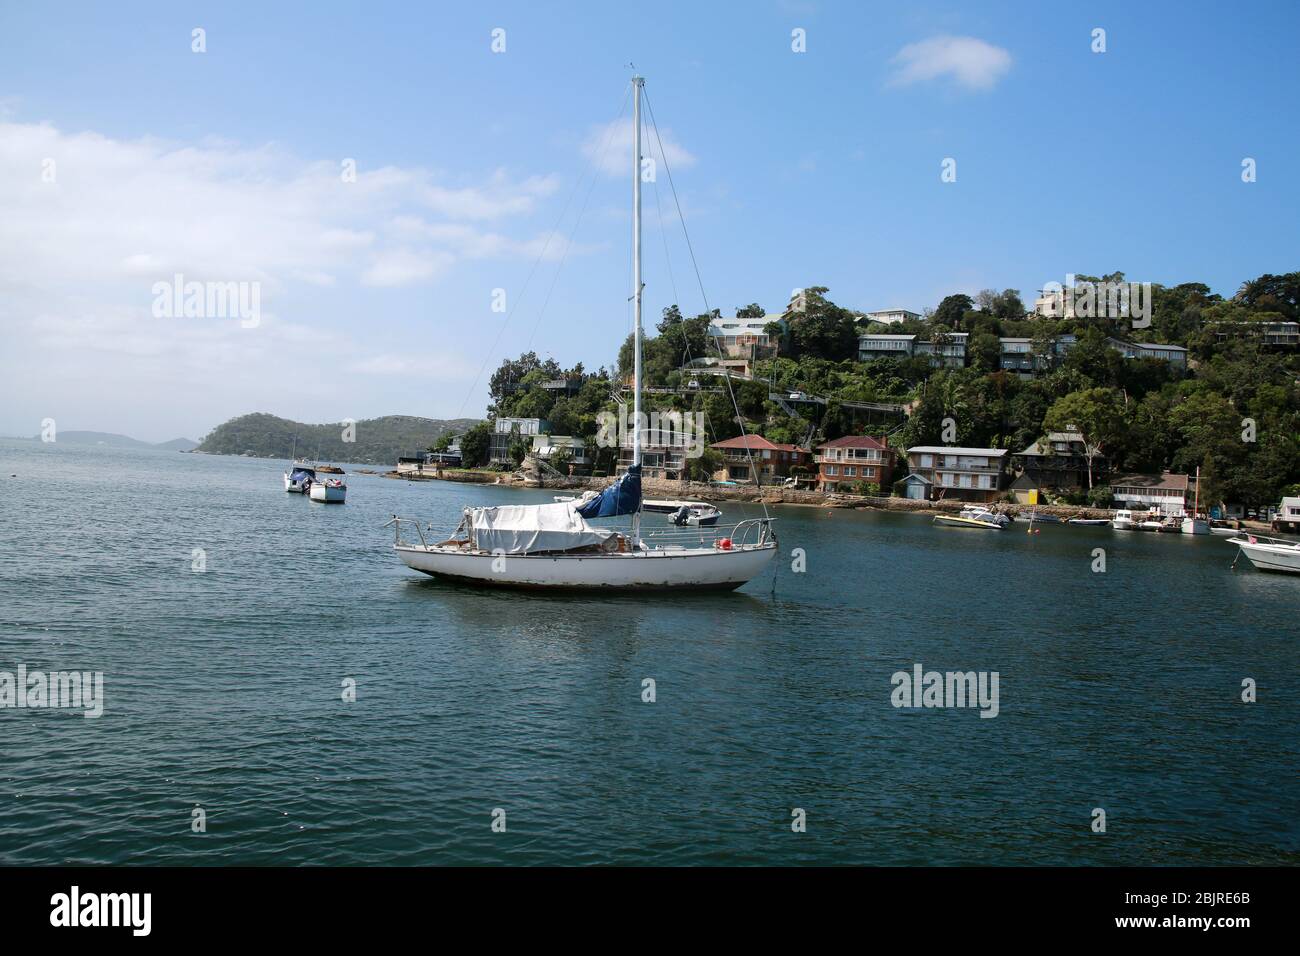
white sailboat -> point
(1196, 523)
(554, 546)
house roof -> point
(1158, 345)
(1038, 449)
(854, 441)
(754, 443)
(952, 450)
(1166, 480)
(915, 477)
(1023, 482)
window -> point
(850, 471)
(832, 469)
(927, 461)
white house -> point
(1288, 514)
(885, 346)
(890, 316)
(1168, 492)
(741, 338)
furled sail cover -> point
(525, 529)
(623, 497)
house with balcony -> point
(945, 351)
(745, 456)
(1173, 494)
(885, 346)
(891, 316)
(562, 451)
(737, 338)
(507, 431)
(1060, 460)
(1269, 334)
(1175, 355)
(1018, 356)
(664, 453)
(845, 461)
(963, 474)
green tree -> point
(475, 445)
(1097, 413)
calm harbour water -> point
(223, 690)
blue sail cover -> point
(623, 497)
(299, 474)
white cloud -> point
(118, 209)
(79, 256)
(610, 146)
(967, 61)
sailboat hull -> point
(655, 570)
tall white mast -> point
(637, 83)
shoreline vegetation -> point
(1229, 406)
(369, 441)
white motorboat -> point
(328, 490)
(1153, 520)
(1123, 520)
(1226, 532)
(667, 506)
(698, 516)
(555, 546)
(974, 516)
(299, 478)
(1270, 554)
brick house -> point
(853, 458)
(772, 461)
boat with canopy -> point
(556, 545)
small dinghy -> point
(1090, 521)
(696, 516)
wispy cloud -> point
(968, 62)
(610, 145)
(83, 207)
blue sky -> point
(794, 169)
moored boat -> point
(1089, 521)
(555, 546)
(1123, 520)
(299, 478)
(698, 516)
(668, 506)
(1195, 523)
(1270, 554)
(973, 516)
(328, 490)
